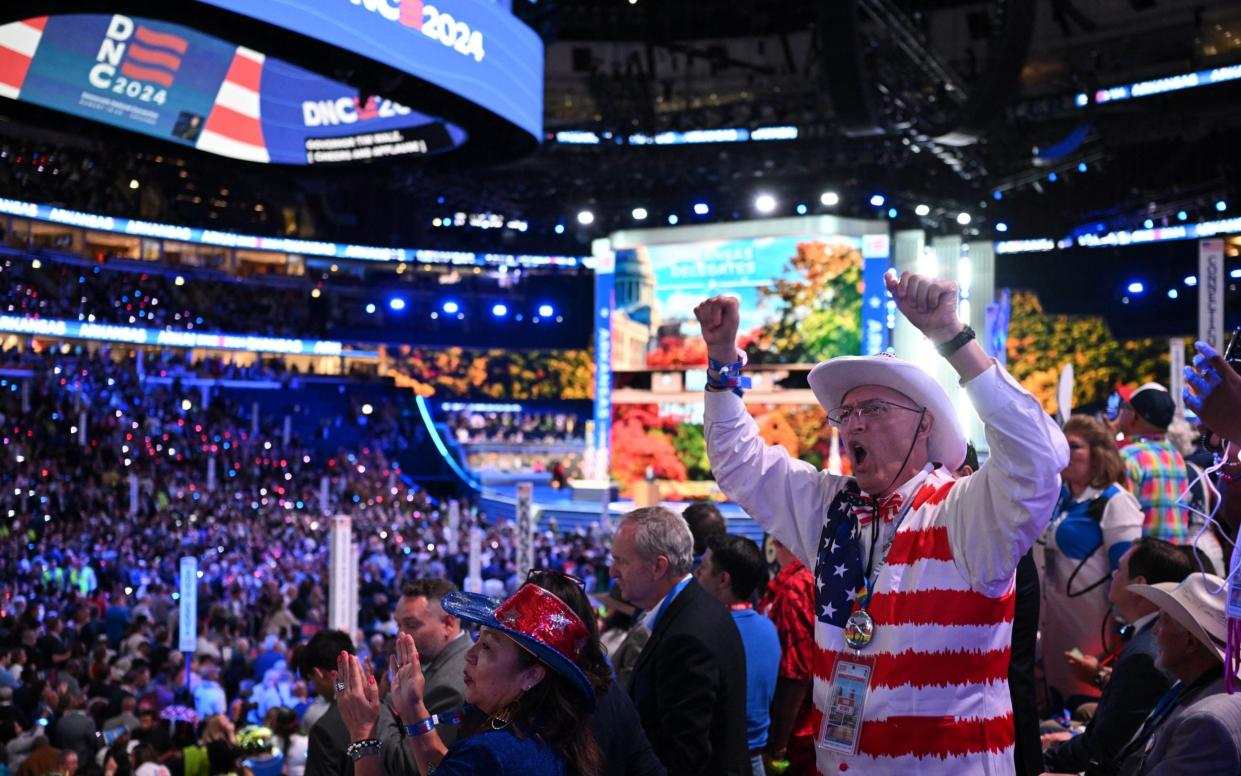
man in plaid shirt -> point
(1157, 472)
(789, 604)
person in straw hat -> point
(914, 570)
(1196, 726)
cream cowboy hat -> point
(831, 380)
(1195, 605)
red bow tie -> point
(888, 507)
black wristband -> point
(956, 343)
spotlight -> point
(1136, 287)
(1181, 215)
(801, 209)
(1191, 280)
(997, 196)
(396, 303)
(1235, 274)
(701, 208)
(133, 183)
(1173, 293)
(891, 212)
(1051, 176)
(639, 214)
(963, 219)
(546, 311)
(877, 200)
(829, 199)
(672, 219)
(764, 203)
(922, 210)
(499, 310)
(1081, 167)
(450, 307)
(367, 409)
(1001, 227)
(559, 229)
(370, 309)
(180, 281)
(585, 218)
(1148, 224)
(1221, 206)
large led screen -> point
(801, 299)
(174, 83)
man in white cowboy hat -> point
(1196, 726)
(914, 570)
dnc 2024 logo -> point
(137, 61)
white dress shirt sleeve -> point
(994, 517)
(787, 497)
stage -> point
(499, 502)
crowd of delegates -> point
(160, 299)
(88, 604)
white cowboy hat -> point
(831, 380)
(1195, 605)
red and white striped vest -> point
(939, 701)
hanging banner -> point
(525, 529)
(343, 595)
(1211, 293)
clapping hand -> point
(408, 683)
(357, 697)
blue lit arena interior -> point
(349, 264)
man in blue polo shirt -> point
(732, 569)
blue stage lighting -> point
(1148, 224)
(546, 311)
(701, 208)
(997, 196)
(1001, 227)
(499, 310)
(1181, 215)
(801, 210)
(1221, 206)
(1173, 293)
(1191, 280)
(396, 303)
(1081, 167)
(450, 307)
(559, 229)
(877, 200)
(1136, 287)
(370, 308)
(1051, 176)
(672, 219)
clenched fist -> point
(719, 318)
(930, 304)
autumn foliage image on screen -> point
(801, 303)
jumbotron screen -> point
(174, 83)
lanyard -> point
(876, 570)
(668, 600)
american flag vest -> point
(939, 701)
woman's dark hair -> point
(120, 753)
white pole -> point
(342, 607)
(474, 580)
(454, 526)
(1176, 376)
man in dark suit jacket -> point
(441, 647)
(689, 682)
(1136, 684)
(325, 754)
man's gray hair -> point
(661, 532)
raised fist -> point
(719, 318)
(930, 304)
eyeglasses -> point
(534, 575)
(875, 409)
